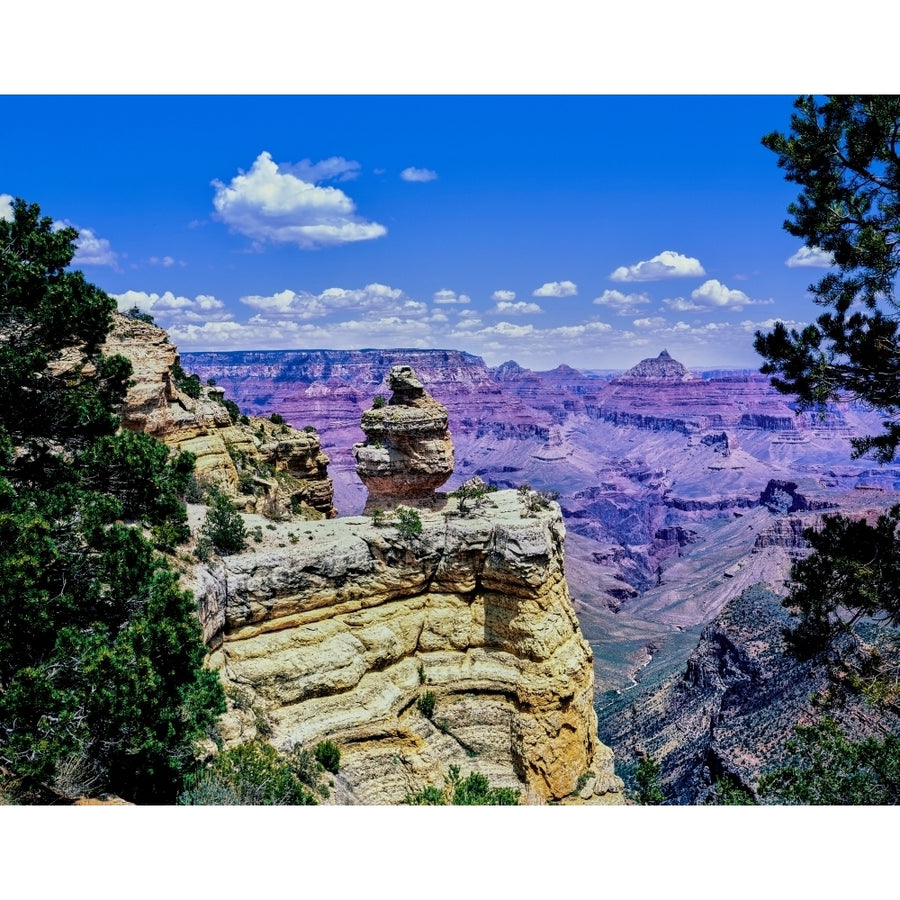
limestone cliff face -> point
(408, 452)
(265, 468)
(341, 634)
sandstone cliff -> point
(341, 635)
(263, 467)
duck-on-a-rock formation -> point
(337, 628)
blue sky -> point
(590, 230)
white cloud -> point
(170, 309)
(667, 264)
(556, 289)
(91, 250)
(713, 294)
(411, 173)
(447, 297)
(810, 257)
(516, 309)
(374, 300)
(650, 322)
(271, 204)
(503, 295)
(6, 208)
(623, 304)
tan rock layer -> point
(203, 426)
(341, 638)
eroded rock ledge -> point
(341, 634)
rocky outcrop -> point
(265, 467)
(347, 633)
(408, 452)
(658, 367)
(726, 717)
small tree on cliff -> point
(101, 657)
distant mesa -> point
(662, 366)
(408, 452)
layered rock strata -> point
(264, 467)
(346, 634)
(408, 452)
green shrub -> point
(379, 401)
(234, 412)
(276, 419)
(328, 755)
(224, 527)
(425, 704)
(252, 774)
(647, 779)
(474, 790)
(408, 523)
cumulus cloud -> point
(411, 173)
(451, 297)
(6, 209)
(373, 300)
(503, 295)
(623, 304)
(91, 250)
(516, 309)
(556, 289)
(169, 309)
(650, 322)
(667, 264)
(810, 257)
(271, 204)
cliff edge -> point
(455, 646)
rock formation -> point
(263, 467)
(662, 366)
(344, 634)
(408, 452)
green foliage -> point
(853, 572)
(254, 774)
(309, 429)
(234, 412)
(425, 704)
(101, 655)
(224, 526)
(328, 755)
(378, 517)
(826, 768)
(136, 313)
(408, 523)
(187, 384)
(474, 790)
(470, 496)
(844, 155)
(649, 791)
(379, 401)
(276, 419)
(728, 792)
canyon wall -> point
(343, 634)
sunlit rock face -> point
(408, 452)
(340, 635)
(261, 466)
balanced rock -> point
(408, 452)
